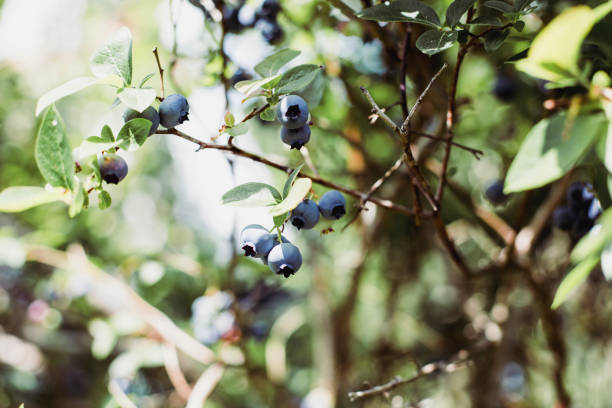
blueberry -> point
(296, 138)
(494, 191)
(504, 88)
(563, 218)
(305, 215)
(292, 112)
(113, 168)
(594, 210)
(274, 238)
(231, 22)
(149, 114)
(256, 241)
(285, 259)
(173, 110)
(239, 75)
(581, 226)
(270, 30)
(269, 10)
(332, 205)
(579, 196)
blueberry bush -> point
(308, 204)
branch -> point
(461, 360)
(406, 125)
(161, 73)
(388, 204)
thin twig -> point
(406, 125)
(388, 204)
(461, 360)
(161, 73)
(308, 160)
(476, 152)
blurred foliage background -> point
(372, 302)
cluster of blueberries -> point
(173, 111)
(265, 20)
(284, 258)
(580, 213)
(292, 112)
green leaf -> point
(313, 93)
(297, 78)
(104, 200)
(494, 39)
(457, 9)
(253, 85)
(145, 79)
(93, 145)
(272, 64)
(114, 57)
(402, 10)
(279, 220)
(66, 89)
(521, 4)
(52, 151)
(487, 21)
(433, 41)
(550, 150)
(269, 115)
(107, 134)
(296, 195)
(252, 195)
(20, 198)
(593, 243)
(500, 6)
(138, 99)
(291, 179)
(519, 25)
(238, 130)
(573, 279)
(558, 44)
(229, 119)
(134, 133)
(78, 200)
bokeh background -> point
(371, 302)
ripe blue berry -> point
(256, 241)
(269, 10)
(113, 168)
(579, 196)
(173, 110)
(504, 88)
(563, 218)
(150, 114)
(332, 205)
(292, 112)
(305, 215)
(285, 259)
(494, 191)
(296, 138)
(270, 30)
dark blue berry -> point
(256, 241)
(149, 114)
(494, 191)
(579, 196)
(113, 168)
(173, 110)
(239, 75)
(296, 138)
(292, 112)
(305, 215)
(270, 30)
(285, 259)
(563, 218)
(269, 10)
(504, 88)
(332, 205)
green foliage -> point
(456, 10)
(273, 63)
(402, 10)
(52, 150)
(134, 133)
(296, 195)
(16, 199)
(138, 99)
(433, 41)
(252, 195)
(573, 279)
(114, 57)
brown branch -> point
(161, 73)
(388, 204)
(461, 360)
(406, 125)
(476, 152)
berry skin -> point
(296, 138)
(149, 114)
(292, 112)
(113, 168)
(270, 30)
(305, 215)
(285, 259)
(494, 192)
(332, 205)
(594, 210)
(268, 11)
(173, 110)
(563, 218)
(579, 196)
(256, 241)
(504, 88)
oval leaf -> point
(550, 150)
(52, 151)
(253, 85)
(402, 10)
(291, 179)
(272, 64)
(252, 195)
(297, 78)
(114, 57)
(16, 199)
(300, 188)
(433, 41)
(573, 279)
(134, 133)
(138, 99)
(66, 89)
(457, 9)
